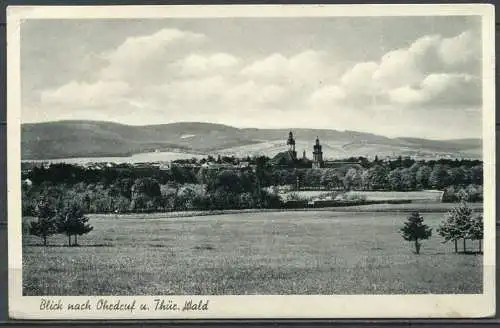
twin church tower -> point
(317, 152)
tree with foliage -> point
(407, 180)
(27, 200)
(313, 177)
(474, 192)
(228, 181)
(206, 176)
(146, 194)
(330, 179)
(246, 200)
(415, 230)
(457, 224)
(422, 176)
(476, 175)
(45, 226)
(169, 194)
(375, 178)
(71, 221)
(438, 177)
(395, 179)
(281, 177)
(352, 179)
(456, 176)
(477, 230)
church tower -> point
(317, 155)
(291, 146)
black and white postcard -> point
(236, 161)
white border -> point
(325, 306)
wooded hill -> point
(64, 139)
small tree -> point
(458, 223)
(449, 231)
(477, 229)
(71, 221)
(45, 226)
(415, 230)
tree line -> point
(375, 175)
(125, 188)
(227, 189)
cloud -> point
(360, 77)
(407, 66)
(327, 95)
(441, 89)
(251, 94)
(307, 67)
(146, 54)
(432, 71)
(190, 92)
(195, 64)
(461, 49)
(86, 94)
(136, 69)
(216, 94)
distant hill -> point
(64, 139)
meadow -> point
(426, 196)
(290, 252)
(421, 195)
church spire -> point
(291, 146)
(317, 155)
(291, 141)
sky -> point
(393, 76)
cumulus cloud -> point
(461, 49)
(144, 54)
(360, 77)
(86, 94)
(431, 71)
(253, 94)
(441, 89)
(327, 95)
(195, 64)
(187, 91)
(307, 67)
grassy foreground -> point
(303, 252)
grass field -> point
(313, 252)
(423, 195)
